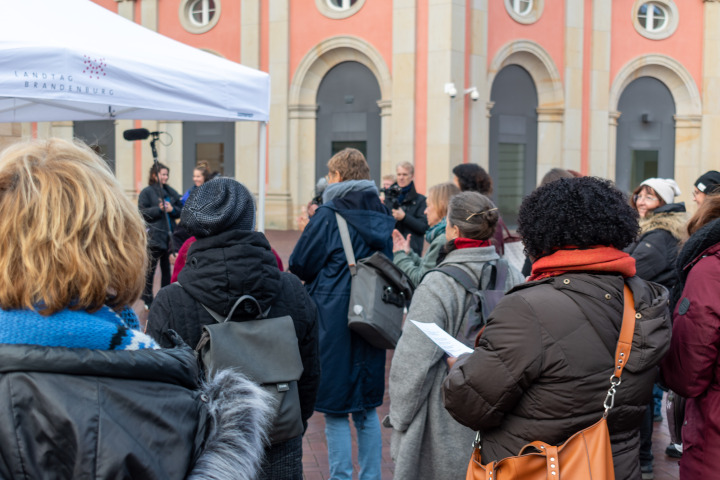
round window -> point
(339, 9)
(655, 20)
(524, 11)
(341, 4)
(652, 17)
(199, 16)
(522, 7)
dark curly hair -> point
(578, 212)
(472, 177)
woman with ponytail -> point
(421, 425)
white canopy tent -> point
(75, 60)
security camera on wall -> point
(474, 94)
(451, 90)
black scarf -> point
(700, 241)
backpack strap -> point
(459, 275)
(220, 319)
(347, 244)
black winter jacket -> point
(160, 224)
(542, 368)
(91, 414)
(655, 251)
(415, 221)
(218, 271)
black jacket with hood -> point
(655, 251)
(219, 270)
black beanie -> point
(709, 182)
(217, 206)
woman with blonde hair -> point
(86, 393)
(408, 260)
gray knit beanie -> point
(217, 206)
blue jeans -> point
(337, 434)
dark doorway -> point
(645, 133)
(348, 116)
(213, 142)
(100, 136)
(513, 139)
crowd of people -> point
(91, 394)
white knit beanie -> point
(667, 188)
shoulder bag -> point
(379, 292)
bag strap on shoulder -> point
(220, 319)
(624, 345)
(459, 275)
(347, 244)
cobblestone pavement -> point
(315, 462)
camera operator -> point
(408, 206)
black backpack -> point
(482, 300)
(266, 350)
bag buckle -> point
(610, 397)
(283, 387)
(389, 296)
(476, 442)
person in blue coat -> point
(352, 379)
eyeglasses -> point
(646, 198)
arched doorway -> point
(348, 116)
(513, 139)
(645, 133)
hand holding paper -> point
(443, 340)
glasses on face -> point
(645, 198)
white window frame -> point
(327, 8)
(530, 15)
(517, 4)
(205, 11)
(210, 16)
(344, 4)
(668, 27)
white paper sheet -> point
(443, 339)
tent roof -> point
(75, 60)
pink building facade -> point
(622, 89)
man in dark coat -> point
(353, 371)
(408, 207)
(229, 260)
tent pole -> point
(261, 177)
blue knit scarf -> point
(437, 229)
(101, 330)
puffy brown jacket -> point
(542, 368)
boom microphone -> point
(138, 134)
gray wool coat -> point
(427, 443)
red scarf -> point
(594, 259)
(470, 243)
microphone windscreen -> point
(136, 134)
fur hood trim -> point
(673, 222)
(241, 413)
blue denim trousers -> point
(369, 439)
